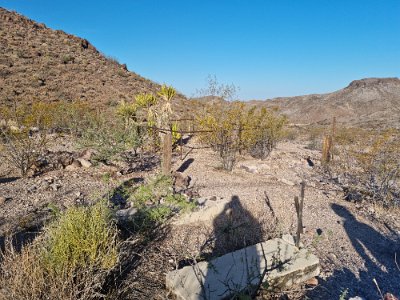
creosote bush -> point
(23, 135)
(231, 129)
(369, 164)
(70, 260)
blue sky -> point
(267, 48)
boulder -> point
(241, 270)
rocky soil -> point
(355, 243)
(39, 63)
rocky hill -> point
(38, 63)
(366, 102)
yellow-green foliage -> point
(372, 159)
(127, 111)
(176, 136)
(156, 202)
(264, 128)
(69, 260)
(233, 128)
(82, 237)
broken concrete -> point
(241, 270)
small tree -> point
(217, 89)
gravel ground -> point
(355, 243)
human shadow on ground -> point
(234, 228)
(375, 250)
(185, 165)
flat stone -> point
(209, 213)
(2, 200)
(85, 163)
(288, 182)
(250, 169)
(125, 213)
(236, 271)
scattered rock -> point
(288, 182)
(312, 281)
(201, 200)
(85, 163)
(2, 200)
(87, 154)
(84, 43)
(181, 182)
(126, 213)
(250, 169)
(74, 166)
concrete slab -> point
(238, 271)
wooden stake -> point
(167, 154)
(299, 210)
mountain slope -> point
(366, 102)
(38, 63)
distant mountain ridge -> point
(367, 102)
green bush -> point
(109, 137)
(69, 260)
(82, 237)
(156, 202)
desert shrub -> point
(314, 136)
(21, 149)
(369, 164)
(266, 129)
(109, 137)
(70, 260)
(221, 126)
(71, 117)
(23, 137)
(83, 236)
(229, 129)
(156, 202)
(216, 89)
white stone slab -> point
(239, 270)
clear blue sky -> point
(267, 48)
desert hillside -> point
(38, 63)
(366, 102)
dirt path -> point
(352, 249)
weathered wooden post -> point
(167, 153)
(299, 210)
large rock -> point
(209, 213)
(241, 270)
